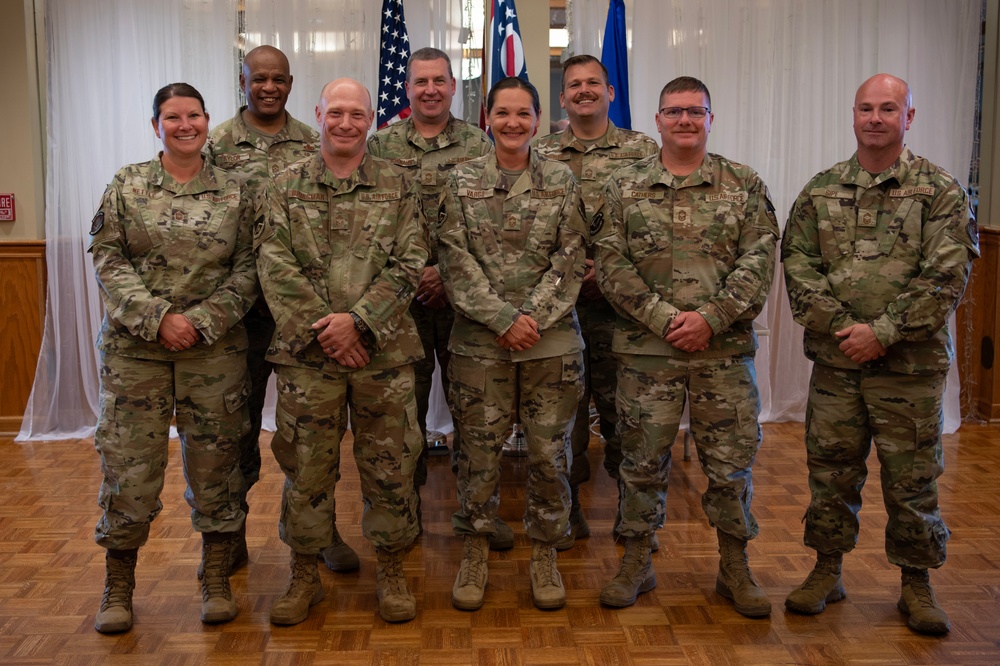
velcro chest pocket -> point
(832, 227)
(377, 234)
(645, 234)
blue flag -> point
(614, 56)
(392, 104)
(506, 49)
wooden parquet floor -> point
(51, 576)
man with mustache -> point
(593, 148)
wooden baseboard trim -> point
(10, 425)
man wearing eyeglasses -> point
(685, 255)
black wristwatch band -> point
(360, 324)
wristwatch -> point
(361, 327)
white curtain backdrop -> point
(106, 60)
(782, 74)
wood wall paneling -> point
(22, 317)
(978, 335)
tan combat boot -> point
(303, 592)
(823, 585)
(340, 557)
(395, 603)
(635, 575)
(918, 602)
(217, 603)
(115, 615)
(470, 586)
(503, 537)
(547, 591)
(735, 582)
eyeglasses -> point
(675, 112)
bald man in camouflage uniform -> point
(257, 144)
(428, 145)
(877, 253)
(593, 148)
(686, 257)
(339, 262)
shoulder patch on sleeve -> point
(973, 229)
(597, 223)
(97, 223)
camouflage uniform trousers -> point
(434, 329)
(902, 414)
(260, 329)
(724, 403)
(597, 320)
(312, 420)
(488, 395)
(138, 399)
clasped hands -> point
(859, 343)
(177, 333)
(430, 291)
(522, 334)
(689, 332)
(341, 341)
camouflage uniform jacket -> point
(892, 250)
(430, 160)
(509, 247)
(236, 147)
(336, 246)
(704, 243)
(160, 247)
(593, 165)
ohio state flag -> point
(506, 49)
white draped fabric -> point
(106, 60)
(782, 74)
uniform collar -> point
(612, 138)
(705, 174)
(243, 133)
(855, 174)
(535, 181)
(363, 176)
(443, 139)
(204, 180)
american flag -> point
(395, 51)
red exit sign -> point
(6, 207)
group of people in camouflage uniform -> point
(539, 274)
